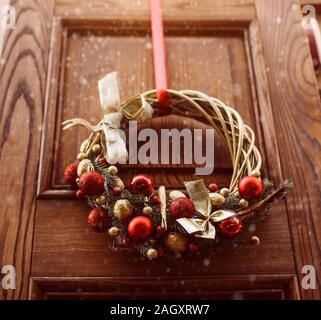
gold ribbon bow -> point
(116, 151)
(202, 227)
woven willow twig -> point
(240, 138)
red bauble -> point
(255, 241)
(80, 194)
(182, 208)
(91, 183)
(140, 228)
(213, 187)
(230, 227)
(154, 199)
(70, 173)
(98, 220)
(160, 230)
(250, 187)
(142, 184)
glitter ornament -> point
(70, 173)
(176, 242)
(98, 220)
(182, 208)
(122, 209)
(216, 199)
(91, 183)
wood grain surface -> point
(297, 116)
(165, 287)
(63, 242)
(252, 54)
(86, 50)
(221, 12)
(23, 73)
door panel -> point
(210, 56)
(239, 51)
(23, 73)
(201, 57)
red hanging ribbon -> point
(159, 52)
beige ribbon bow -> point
(116, 151)
(203, 228)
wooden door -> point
(251, 54)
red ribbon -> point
(159, 52)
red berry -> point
(160, 229)
(116, 191)
(142, 184)
(140, 228)
(250, 187)
(154, 199)
(213, 187)
(70, 173)
(193, 247)
(102, 161)
(182, 208)
(80, 194)
(126, 242)
(91, 183)
(98, 220)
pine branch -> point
(277, 194)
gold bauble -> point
(113, 232)
(118, 183)
(81, 156)
(225, 192)
(176, 242)
(83, 166)
(147, 210)
(100, 200)
(84, 146)
(152, 254)
(175, 194)
(96, 148)
(112, 170)
(216, 199)
(122, 209)
(244, 203)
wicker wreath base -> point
(157, 223)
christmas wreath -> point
(156, 222)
